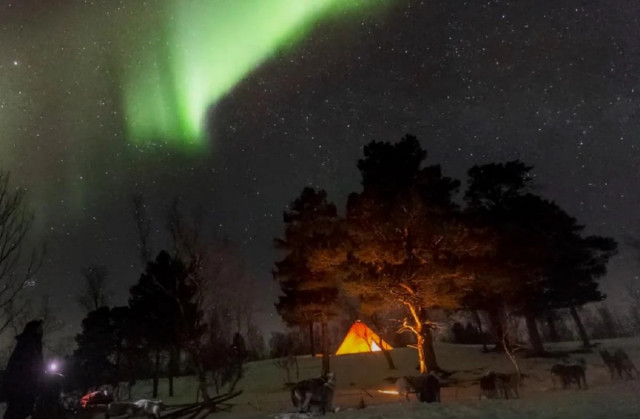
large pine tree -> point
(572, 276)
(542, 262)
(407, 245)
(309, 295)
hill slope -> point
(359, 376)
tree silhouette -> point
(572, 276)
(97, 344)
(16, 272)
(94, 294)
(405, 240)
(498, 196)
(310, 295)
(110, 349)
(163, 301)
(541, 262)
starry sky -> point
(235, 106)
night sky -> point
(236, 105)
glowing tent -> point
(361, 339)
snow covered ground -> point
(620, 400)
(360, 376)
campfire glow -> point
(389, 392)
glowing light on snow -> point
(389, 392)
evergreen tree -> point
(572, 276)
(406, 243)
(541, 261)
(490, 189)
(162, 302)
(308, 295)
(523, 225)
(94, 362)
(110, 349)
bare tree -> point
(211, 269)
(51, 322)
(223, 288)
(185, 232)
(16, 272)
(229, 287)
(143, 227)
(215, 267)
(94, 294)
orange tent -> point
(361, 339)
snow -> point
(614, 401)
(360, 376)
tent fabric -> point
(360, 338)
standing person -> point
(24, 372)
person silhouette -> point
(24, 373)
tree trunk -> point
(534, 335)
(238, 376)
(387, 355)
(581, 331)
(174, 356)
(422, 364)
(195, 353)
(375, 320)
(118, 376)
(202, 382)
(326, 363)
(476, 315)
(156, 374)
(429, 352)
(312, 344)
(498, 329)
(426, 353)
(551, 323)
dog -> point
(624, 365)
(405, 386)
(611, 363)
(489, 385)
(508, 384)
(494, 385)
(428, 388)
(570, 373)
(148, 408)
(314, 392)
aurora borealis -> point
(233, 106)
(199, 50)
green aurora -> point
(198, 50)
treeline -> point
(405, 242)
(189, 313)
